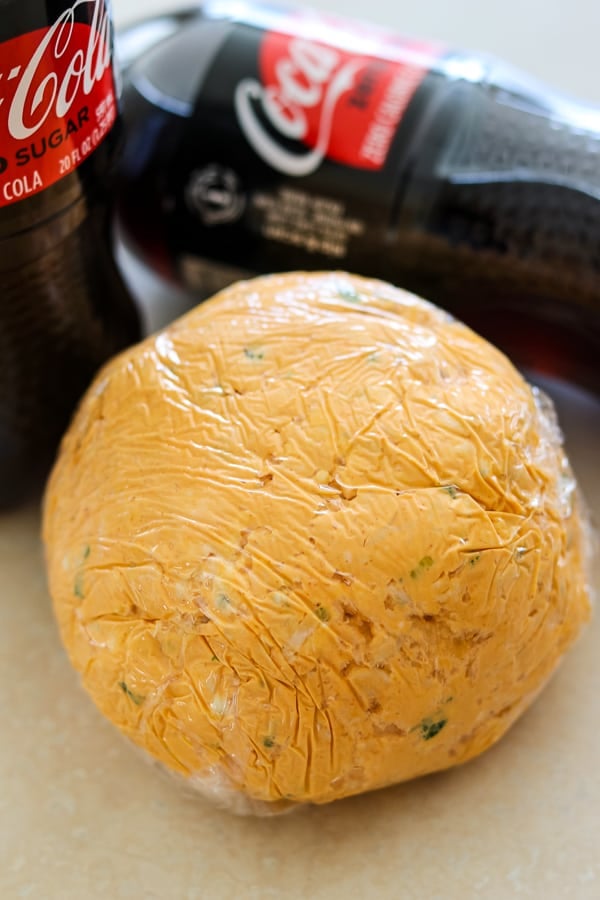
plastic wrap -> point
(315, 538)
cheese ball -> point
(314, 538)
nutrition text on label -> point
(318, 224)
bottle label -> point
(57, 99)
(294, 126)
(339, 99)
(290, 134)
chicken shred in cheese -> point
(314, 538)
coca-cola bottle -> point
(262, 139)
(64, 308)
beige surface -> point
(81, 816)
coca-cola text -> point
(63, 94)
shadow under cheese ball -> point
(314, 538)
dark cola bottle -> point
(63, 306)
(262, 139)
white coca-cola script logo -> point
(39, 93)
(305, 79)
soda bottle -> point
(64, 307)
(261, 139)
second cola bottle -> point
(262, 139)
(64, 308)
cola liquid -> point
(260, 139)
(64, 308)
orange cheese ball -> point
(315, 538)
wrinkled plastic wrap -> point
(314, 538)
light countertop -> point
(82, 817)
